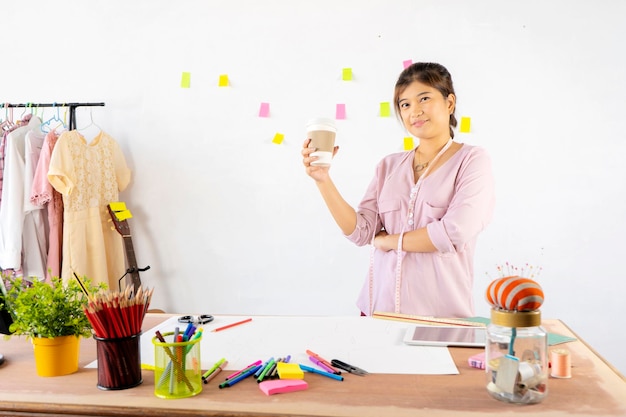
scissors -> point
(201, 319)
(347, 367)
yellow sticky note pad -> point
(117, 206)
(278, 138)
(385, 109)
(408, 143)
(346, 74)
(223, 81)
(465, 125)
(185, 80)
(289, 370)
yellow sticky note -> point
(278, 138)
(117, 206)
(385, 109)
(223, 82)
(465, 125)
(185, 80)
(408, 143)
(123, 215)
(346, 74)
(289, 370)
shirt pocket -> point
(433, 213)
(389, 212)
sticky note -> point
(346, 74)
(278, 138)
(185, 80)
(117, 205)
(223, 81)
(289, 370)
(465, 125)
(407, 63)
(340, 112)
(264, 110)
(385, 109)
(279, 386)
(123, 215)
(408, 143)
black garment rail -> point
(72, 108)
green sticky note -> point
(185, 81)
(385, 109)
(223, 81)
(408, 143)
(278, 138)
(347, 74)
(465, 125)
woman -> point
(423, 209)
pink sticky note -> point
(264, 110)
(278, 386)
(340, 113)
(407, 63)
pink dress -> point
(455, 203)
(43, 194)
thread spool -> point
(561, 363)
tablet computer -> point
(428, 335)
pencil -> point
(228, 326)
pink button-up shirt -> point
(455, 203)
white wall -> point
(230, 223)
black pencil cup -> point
(119, 362)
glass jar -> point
(516, 360)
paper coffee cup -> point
(322, 134)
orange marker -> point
(228, 326)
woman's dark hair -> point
(434, 75)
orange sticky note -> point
(465, 125)
(408, 143)
(223, 82)
(385, 109)
(346, 74)
(264, 110)
(340, 112)
(278, 138)
(185, 80)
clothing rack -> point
(72, 107)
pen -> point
(321, 365)
(196, 335)
(228, 326)
(257, 373)
(172, 374)
(214, 373)
(173, 359)
(324, 373)
(324, 361)
(266, 370)
(252, 365)
(213, 368)
(244, 375)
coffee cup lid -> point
(321, 123)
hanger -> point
(91, 122)
(53, 123)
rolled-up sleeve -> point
(471, 207)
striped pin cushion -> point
(515, 294)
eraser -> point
(289, 371)
(279, 386)
(477, 361)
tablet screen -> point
(445, 336)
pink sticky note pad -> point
(279, 386)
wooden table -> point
(595, 389)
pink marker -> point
(322, 365)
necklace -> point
(420, 167)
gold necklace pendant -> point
(421, 167)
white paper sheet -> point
(371, 344)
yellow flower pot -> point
(56, 356)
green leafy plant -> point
(40, 309)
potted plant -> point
(52, 315)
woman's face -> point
(425, 112)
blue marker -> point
(243, 375)
(324, 373)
